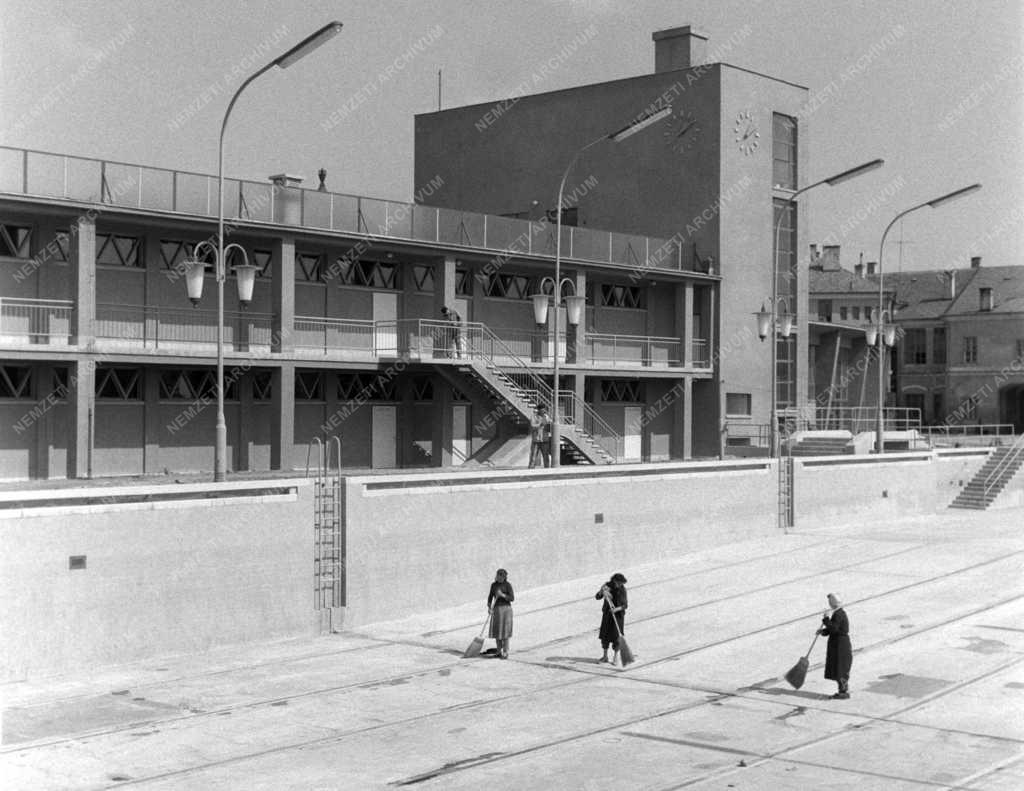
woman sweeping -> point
(499, 605)
(839, 654)
(613, 611)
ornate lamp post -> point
(885, 334)
(296, 53)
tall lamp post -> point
(616, 137)
(772, 318)
(885, 335)
(293, 55)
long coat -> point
(608, 634)
(839, 653)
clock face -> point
(682, 131)
(747, 136)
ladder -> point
(785, 504)
(328, 532)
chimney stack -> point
(830, 258)
(871, 267)
(814, 255)
(952, 283)
(678, 48)
(975, 261)
(858, 270)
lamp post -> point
(832, 181)
(885, 335)
(296, 53)
(616, 137)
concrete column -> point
(444, 285)
(406, 414)
(151, 419)
(684, 322)
(479, 313)
(576, 347)
(39, 464)
(682, 420)
(82, 399)
(282, 290)
(282, 437)
(287, 199)
(441, 434)
(153, 264)
(246, 409)
(82, 260)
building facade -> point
(106, 368)
(714, 178)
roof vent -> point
(678, 48)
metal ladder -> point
(785, 504)
(328, 533)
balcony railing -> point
(856, 419)
(35, 321)
(154, 327)
(44, 174)
(342, 337)
(699, 350)
(631, 350)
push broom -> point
(798, 672)
(624, 653)
(478, 642)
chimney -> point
(678, 48)
(871, 267)
(830, 258)
(975, 262)
(952, 283)
(858, 269)
(287, 198)
(322, 173)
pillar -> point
(682, 419)
(444, 286)
(82, 265)
(684, 322)
(47, 395)
(576, 349)
(151, 419)
(441, 433)
(246, 414)
(82, 399)
(282, 437)
(282, 290)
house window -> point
(1020, 348)
(366, 387)
(261, 259)
(194, 385)
(985, 298)
(507, 286)
(785, 372)
(936, 407)
(970, 349)
(63, 239)
(309, 386)
(855, 312)
(119, 384)
(116, 250)
(310, 267)
(786, 266)
(367, 274)
(262, 386)
(915, 347)
(613, 296)
(868, 313)
(737, 404)
(463, 283)
(842, 313)
(939, 345)
(825, 309)
(16, 381)
(620, 391)
(784, 151)
(423, 278)
(422, 388)
(15, 241)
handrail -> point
(1016, 449)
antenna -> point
(439, 90)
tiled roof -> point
(1007, 284)
(839, 281)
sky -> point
(935, 88)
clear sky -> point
(935, 87)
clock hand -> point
(685, 129)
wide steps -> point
(973, 496)
(821, 446)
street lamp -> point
(887, 333)
(772, 319)
(616, 137)
(296, 53)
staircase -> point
(820, 446)
(991, 479)
(489, 363)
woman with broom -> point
(499, 605)
(613, 615)
(839, 653)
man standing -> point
(540, 436)
(456, 321)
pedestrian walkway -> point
(936, 607)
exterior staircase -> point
(820, 446)
(991, 479)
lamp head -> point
(194, 273)
(245, 277)
(960, 193)
(540, 308)
(574, 309)
(308, 44)
(870, 335)
(846, 175)
(631, 129)
(764, 320)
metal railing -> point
(1011, 457)
(160, 327)
(36, 321)
(757, 435)
(46, 174)
(700, 353)
(334, 335)
(856, 419)
(963, 434)
(631, 350)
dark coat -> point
(608, 634)
(839, 654)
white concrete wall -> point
(844, 489)
(418, 543)
(161, 577)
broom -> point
(798, 672)
(478, 642)
(624, 653)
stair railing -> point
(1005, 463)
